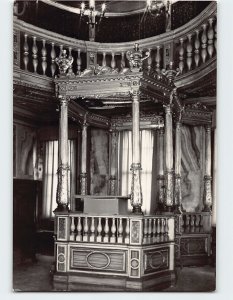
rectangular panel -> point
(98, 260)
(156, 260)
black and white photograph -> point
(114, 146)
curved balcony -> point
(192, 47)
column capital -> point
(63, 100)
(168, 109)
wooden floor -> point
(36, 277)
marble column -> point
(83, 174)
(207, 201)
(63, 169)
(160, 177)
(177, 191)
(168, 159)
(113, 142)
(136, 189)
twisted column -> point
(207, 201)
(83, 174)
(113, 162)
(168, 159)
(63, 187)
(177, 191)
(136, 189)
(160, 177)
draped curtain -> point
(51, 178)
(148, 181)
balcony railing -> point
(192, 45)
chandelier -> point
(91, 12)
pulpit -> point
(104, 205)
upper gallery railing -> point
(192, 45)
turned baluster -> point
(189, 52)
(197, 221)
(79, 62)
(158, 226)
(113, 230)
(201, 223)
(104, 59)
(166, 228)
(120, 232)
(210, 35)
(192, 223)
(92, 229)
(61, 49)
(197, 46)
(44, 57)
(26, 52)
(34, 54)
(79, 230)
(204, 43)
(149, 60)
(162, 226)
(158, 58)
(182, 223)
(72, 229)
(106, 231)
(127, 230)
(181, 56)
(154, 229)
(113, 63)
(187, 223)
(85, 230)
(145, 231)
(53, 56)
(122, 59)
(99, 231)
(150, 228)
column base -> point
(62, 208)
(137, 210)
(207, 209)
(178, 210)
(169, 209)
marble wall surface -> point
(99, 162)
(192, 167)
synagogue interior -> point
(114, 142)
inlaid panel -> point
(193, 246)
(98, 260)
(156, 260)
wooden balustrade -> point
(117, 229)
(196, 223)
(156, 230)
(193, 45)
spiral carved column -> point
(169, 176)
(83, 175)
(160, 178)
(207, 201)
(136, 189)
(63, 187)
(113, 162)
(177, 190)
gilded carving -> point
(112, 185)
(169, 189)
(83, 183)
(136, 58)
(207, 193)
(136, 189)
(63, 187)
(64, 63)
(177, 192)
